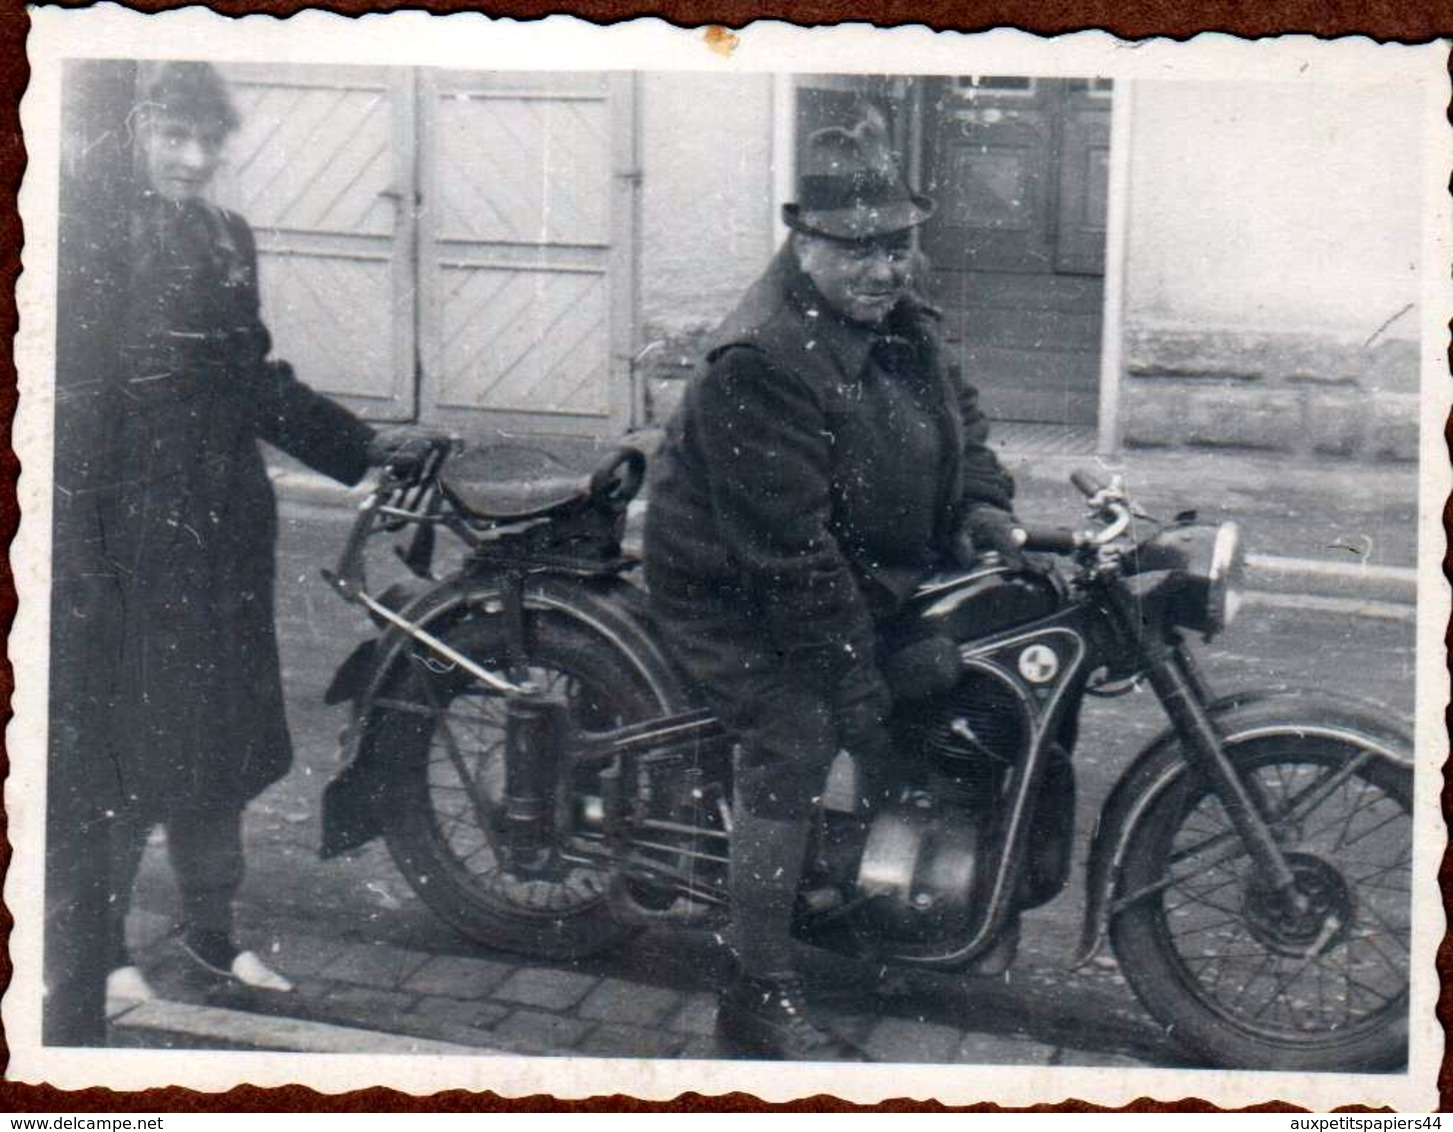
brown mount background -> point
(1408, 21)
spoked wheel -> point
(446, 734)
(1247, 975)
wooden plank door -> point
(1084, 179)
(526, 225)
(323, 168)
(1019, 169)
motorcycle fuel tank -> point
(976, 603)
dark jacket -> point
(815, 471)
(166, 532)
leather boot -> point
(763, 1013)
(766, 1017)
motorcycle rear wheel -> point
(445, 732)
(1234, 975)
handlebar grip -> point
(1047, 540)
(1087, 484)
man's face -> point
(180, 155)
(862, 280)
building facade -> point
(1156, 263)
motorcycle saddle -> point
(513, 483)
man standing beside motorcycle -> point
(823, 461)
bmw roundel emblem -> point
(1039, 664)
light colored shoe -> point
(128, 984)
(250, 970)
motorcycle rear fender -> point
(612, 607)
(353, 674)
(1239, 718)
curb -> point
(1333, 606)
(1325, 578)
(213, 1024)
(305, 492)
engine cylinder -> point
(920, 866)
(970, 739)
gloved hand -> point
(985, 529)
(862, 705)
(406, 449)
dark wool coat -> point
(814, 473)
(166, 530)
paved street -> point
(367, 955)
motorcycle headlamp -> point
(1226, 578)
(1197, 570)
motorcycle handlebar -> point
(1048, 540)
(1087, 484)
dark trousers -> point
(789, 722)
(205, 850)
(789, 736)
(790, 719)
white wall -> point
(706, 228)
(1274, 207)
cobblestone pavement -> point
(368, 956)
(655, 1001)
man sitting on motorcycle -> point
(823, 461)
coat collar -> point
(784, 289)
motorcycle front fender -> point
(1238, 718)
(355, 801)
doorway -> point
(1019, 167)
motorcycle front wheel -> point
(1237, 973)
(445, 733)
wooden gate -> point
(1019, 167)
(452, 246)
(319, 167)
(525, 233)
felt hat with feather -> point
(850, 187)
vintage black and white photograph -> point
(810, 558)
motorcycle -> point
(547, 784)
